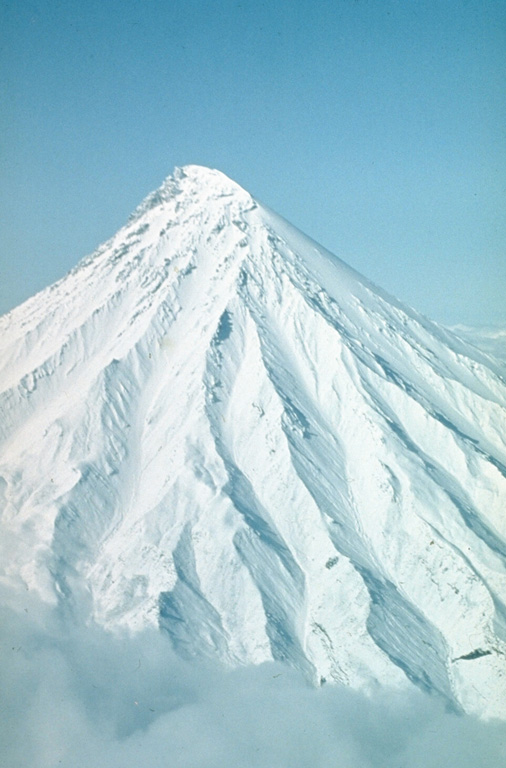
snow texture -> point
(214, 426)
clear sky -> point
(378, 127)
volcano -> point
(214, 426)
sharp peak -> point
(199, 172)
(205, 177)
(190, 179)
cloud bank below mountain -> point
(80, 696)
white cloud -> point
(78, 697)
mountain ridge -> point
(214, 426)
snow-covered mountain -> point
(215, 426)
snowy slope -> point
(215, 426)
(491, 340)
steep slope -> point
(215, 426)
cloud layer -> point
(76, 696)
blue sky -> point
(377, 127)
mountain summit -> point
(215, 426)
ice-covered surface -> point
(215, 426)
